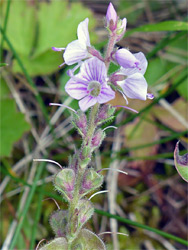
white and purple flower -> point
(77, 50)
(134, 85)
(90, 85)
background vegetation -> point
(153, 194)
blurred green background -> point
(153, 193)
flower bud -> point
(64, 182)
(91, 181)
(111, 18)
(97, 138)
(95, 53)
(116, 77)
(82, 213)
(58, 222)
(80, 121)
(121, 28)
(105, 112)
(126, 59)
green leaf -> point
(181, 163)
(12, 126)
(162, 26)
(21, 26)
(47, 25)
(156, 69)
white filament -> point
(54, 202)
(109, 127)
(100, 192)
(113, 233)
(37, 247)
(47, 160)
(114, 169)
(62, 105)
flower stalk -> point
(93, 87)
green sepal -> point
(88, 240)
(106, 120)
(64, 182)
(85, 162)
(56, 244)
(58, 222)
(91, 181)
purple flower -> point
(126, 59)
(111, 17)
(90, 85)
(135, 85)
(77, 50)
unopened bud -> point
(111, 18)
(97, 138)
(80, 120)
(91, 181)
(126, 59)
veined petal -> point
(76, 90)
(106, 94)
(83, 33)
(87, 102)
(126, 59)
(142, 65)
(74, 53)
(135, 86)
(93, 69)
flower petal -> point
(74, 53)
(126, 59)
(142, 65)
(87, 102)
(76, 90)
(106, 94)
(135, 86)
(93, 69)
(83, 33)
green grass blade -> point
(162, 26)
(136, 224)
(23, 213)
(5, 27)
(37, 217)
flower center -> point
(94, 88)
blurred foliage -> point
(41, 27)
(12, 123)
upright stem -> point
(109, 50)
(87, 142)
